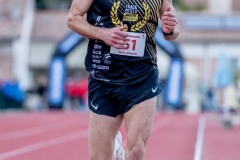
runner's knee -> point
(137, 150)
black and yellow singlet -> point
(141, 16)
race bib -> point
(135, 46)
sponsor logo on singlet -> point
(107, 58)
(131, 14)
(97, 52)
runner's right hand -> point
(115, 37)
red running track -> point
(221, 143)
(63, 136)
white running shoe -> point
(119, 151)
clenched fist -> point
(168, 20)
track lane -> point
(21, 121)
(173, 138)
(221, 143)
(174, 141)
(42, 133)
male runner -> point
(121, 60)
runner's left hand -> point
(168, 20)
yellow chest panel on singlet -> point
(136, 14)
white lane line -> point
(200, 138)
(44, 144)
(39, 129)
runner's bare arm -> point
(169, 20)
(114, 37)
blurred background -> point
(42, 61)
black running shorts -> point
(112, 100)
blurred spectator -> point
(76, 92)
(41, 91)
(208, 102)
(2, 97)
(11, 94)
(230, 98)
(238, 91)
(210, 99)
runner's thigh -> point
(139, 121)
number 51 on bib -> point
(135, 46)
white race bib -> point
(135, 47)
